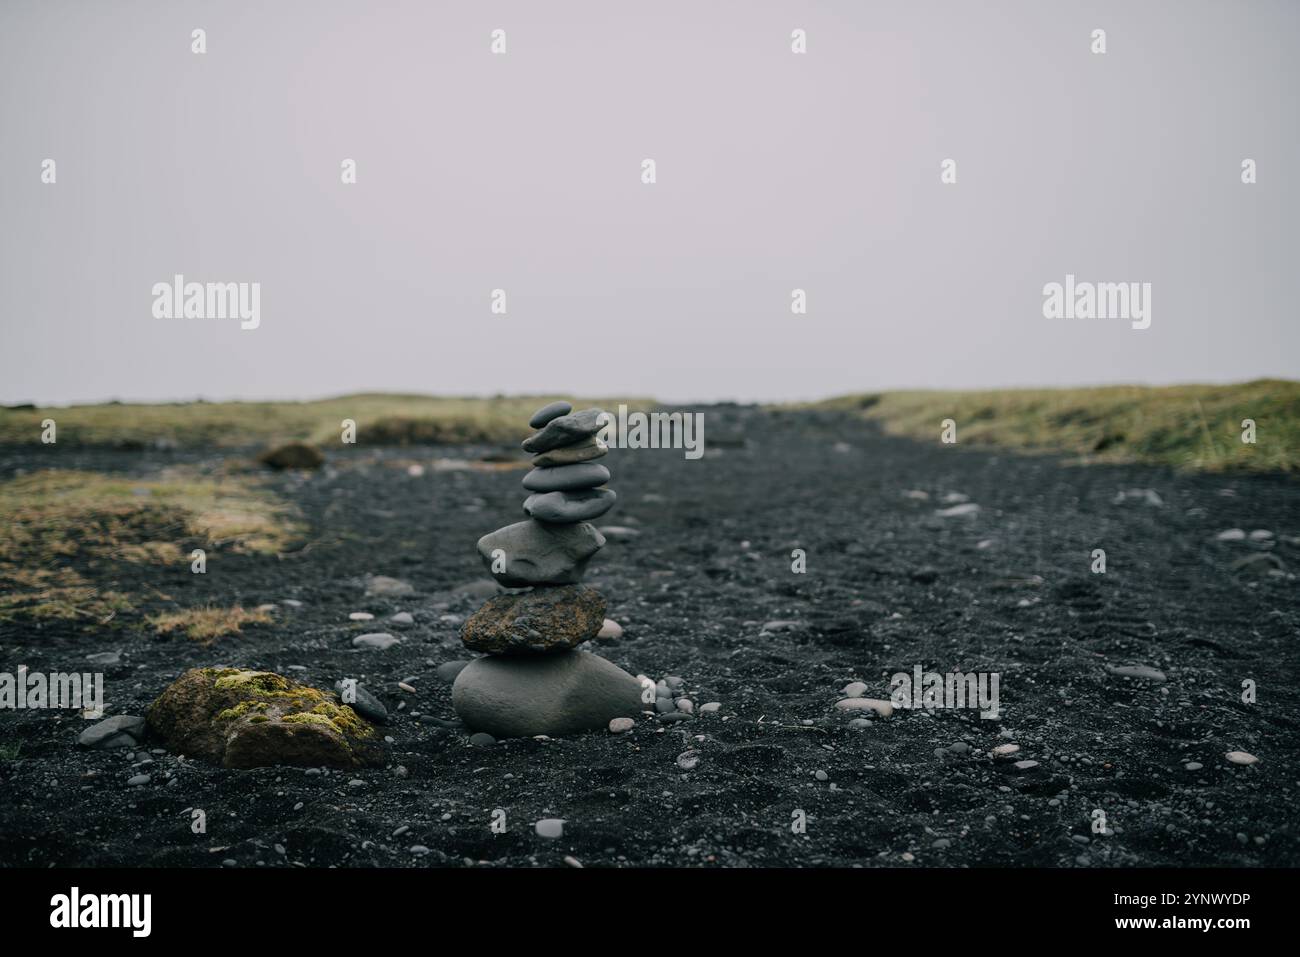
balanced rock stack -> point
(534, 678)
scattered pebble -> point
(550, 827)
(687, 760)
(403, 618)
(1137, 671)
(711, 707)
(1241, 757)
(361, 616)
(882, 708)
(380, 641)
(610, 630)
(139, 780)
(1193, 766)
(854, 689)
(1003, 750)
(619, 725)
(482, 740)
(1231, 535)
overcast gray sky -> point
(522, 171)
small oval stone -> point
(548, 412)
(550, 827)
(882, 708)
(620, 725)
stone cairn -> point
(534, 679)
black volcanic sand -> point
(889, 585)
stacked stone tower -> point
(534, 678)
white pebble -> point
(1241, 757)
(610, 630)
(619, 725)
(882, 708)
(550, 827)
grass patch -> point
(61, 523)
(1192, 427)
(381, 420)
(207, 624)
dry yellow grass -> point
(59, 521)
(381, 419)
(207, 624)
(1193, 427)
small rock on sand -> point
(882, 708)
(1137, 671)
(1241, 757)
(550, 827)
(380, 641)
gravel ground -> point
(705, 591)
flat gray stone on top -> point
(548, 412)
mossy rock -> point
(295, 455)
(254, 719)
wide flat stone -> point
(566, 430)
(538, 554)
(584, 451)
(562, 693)
(100, 734)
(566, 478)
(563, 508)
(548, 412)
(546, 619)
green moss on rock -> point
(243, 718)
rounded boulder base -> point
(562, 693)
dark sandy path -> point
(890, 584)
